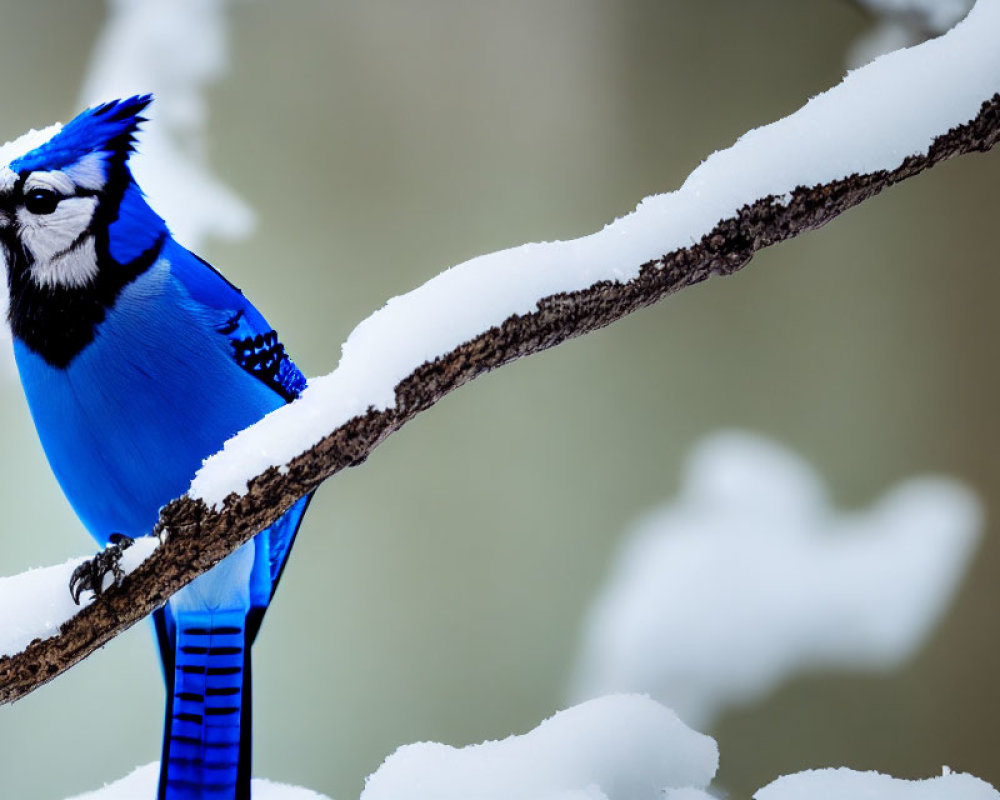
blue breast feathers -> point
(127, 423)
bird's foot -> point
(90, 575)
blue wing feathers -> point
(255, 345)
(207, 286)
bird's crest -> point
(105, 133)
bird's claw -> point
(90, 575)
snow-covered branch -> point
(887, 122)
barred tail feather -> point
(206, 747)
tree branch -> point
(198, 537)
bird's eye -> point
(41, 201)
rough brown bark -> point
(198, 537)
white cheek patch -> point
(60, 256)
(71, 269)
(47, 235)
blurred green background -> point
(437, 592)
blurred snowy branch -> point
(884, 123)
(174, 49)
(932, 17)
(750, 576)
(903, 23)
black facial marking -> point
(59, 322)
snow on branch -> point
(884, 123)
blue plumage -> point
(138, 360)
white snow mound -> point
(623, 747)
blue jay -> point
(139, 360)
